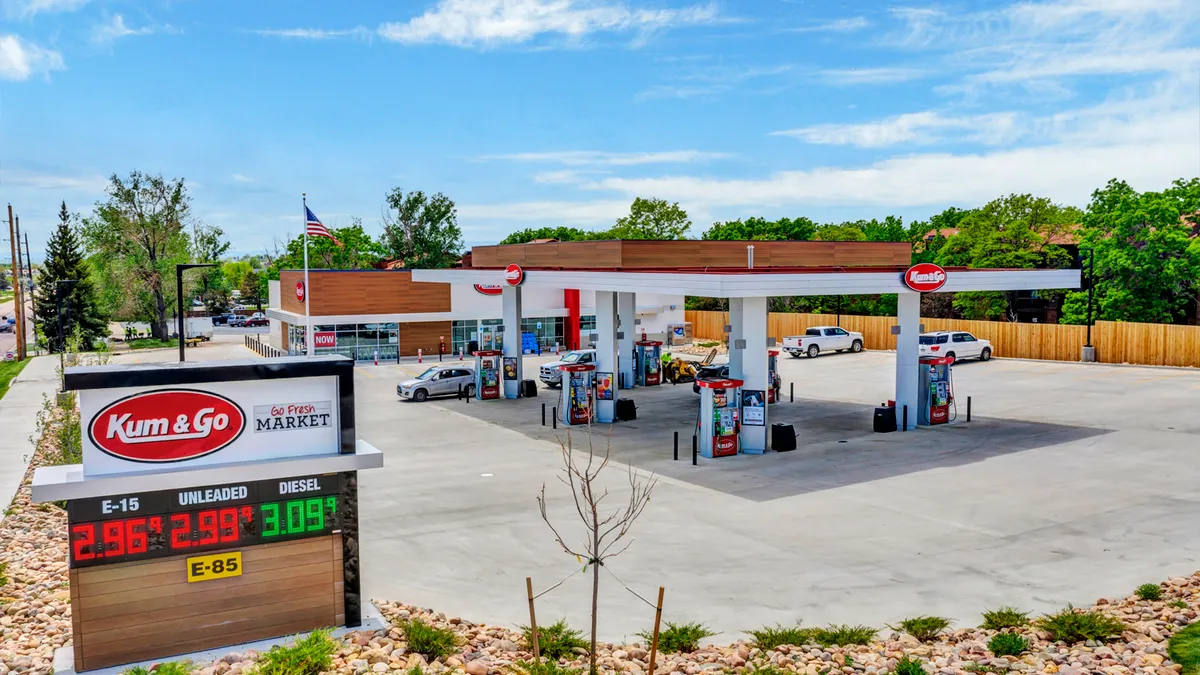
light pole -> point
(62, 342)
(1091, 285)
(179, 269)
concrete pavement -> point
(18, 419)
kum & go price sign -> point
(137, 429)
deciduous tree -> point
(652, 219)
(760, 229)
(421, 230)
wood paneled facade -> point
(423, 335)
(143, 610)
(353, 292)
(633, 255)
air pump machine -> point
(578, 398)
(719, 422)
(935, 397)
(648, 362)
(487, 374)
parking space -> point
(1072, 482)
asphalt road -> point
(9, 340)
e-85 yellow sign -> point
(216, 566)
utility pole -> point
(22, 264)
(12, 239)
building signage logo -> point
(325, 338)
(925, 277)
(166, 425)
(284, 416)
(489, 289)
(514, 275)
(300, 291)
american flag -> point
(314, 227)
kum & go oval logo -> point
(514, 275)
(166, 425)
(925, 277)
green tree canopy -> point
(358, 251)
(760, 229)
(843, 232)
(652, 219)
(1147, 259)
(560, 233)
(421, 230)
(235, 271)
(251, 289)
(81, 311)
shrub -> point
(1072, 625)
(679, 637)
(909, 666)
(975, 667)
(1005, 617)
(1149, 592)
(1008, 644)
(555, 640)
(136, 670)
(415, 670)
(770, 637)
(844, 634)
(1184, 649)
(309, 656)
(173, 668)
(1178, 604)
(429, 641)
(766, 669)
(550, 667)
(924, 628)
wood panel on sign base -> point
(632, 255)
(350, 292)
(423, 335)
(144, 610)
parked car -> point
(822, 339)
(256, 320)
(438, 381)
(237, 321)
(551, 376)
(223, 319)
(956, 344)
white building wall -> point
(275, 337)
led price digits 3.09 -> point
(297, 516)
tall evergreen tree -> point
(65, 261)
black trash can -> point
(472, 347)
(885, 419)
(528, 388)
(783, 437)
(626, 409)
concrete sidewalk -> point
(18, 419)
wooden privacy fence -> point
(1151, 344)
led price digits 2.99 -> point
(296, 516)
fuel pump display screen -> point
(171, 522)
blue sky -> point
(547, 112)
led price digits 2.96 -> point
(296, 516)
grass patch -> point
(1005, 617)
(975, 667)
(8, 371)
(1071, 625)
(164, 668)
(924, 628)
(1149, 592)
(1008, 644)
(1184, 649)
(429, 641)
(773, 637)
(683, 638)
(907, 665)
(767, 669)
(152, 343)
(555, 640)
(1177, 604)
(844, 634)
(544, 668)
(309, 656)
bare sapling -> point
(606, 533)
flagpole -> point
(308, 336)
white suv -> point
(956, 344)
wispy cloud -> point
(314, 33)
(847, 25)
(913, 128)
(20, 60)
(713, 80)
(574, 213)
(24, 9)
(115, 28)
(600, 158)
(40, 180)
(241, 178)
(857, 76)
(482, 23)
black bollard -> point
(968, 408)
(676, 446)
(904, 426)
(554, 419)
(694, 450)
(792, 392)
(543, 414)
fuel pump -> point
(719, 423)
(648, 362)
(935, 396)
(487, 374)
(578, 397)
(774, 382)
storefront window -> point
(548, 330)
(587, 323)
(462, 333)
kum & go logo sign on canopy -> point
(132, 429)
(925, 277)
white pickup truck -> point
(822, 339)
(551, 376)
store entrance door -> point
(490, 338)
